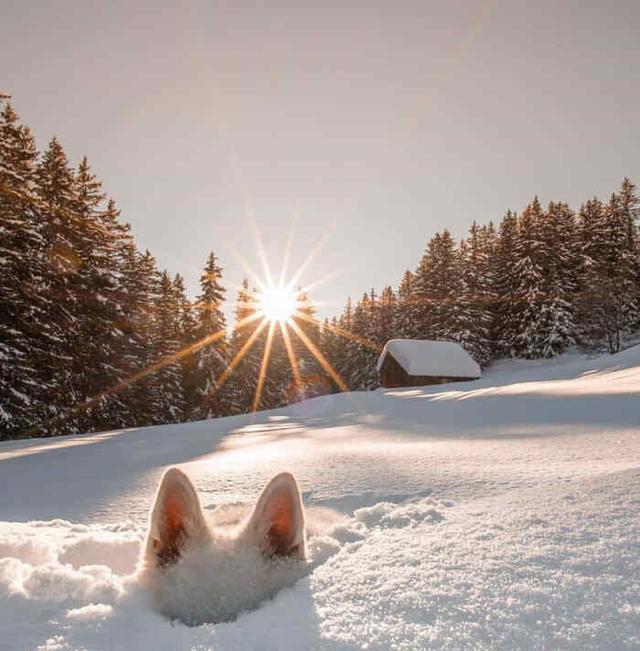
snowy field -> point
(500, 514)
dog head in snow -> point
(197, 572)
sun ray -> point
(248, 269)
(262, 255)
(284, 311)
(309, 259)
(263, 367)
(297, 380)
(313, 349)
(246, 347)
(321, 281)
(125, 383)
(287, 252)
(343, 333)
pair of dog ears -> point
(276, 525)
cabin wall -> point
(393, 376)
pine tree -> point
(407, 308)
(629, 206)
(472, 316)
(241, 386)
(609, 286)
(387, 315)
(185, 336)
(529, 281)
(166, 396)
(309, 381)
(209, 360)
(55, 186)
(436, 282)
(141, 283)
(361, 354)
(333, 346)
(556, 319)
(341, 343)
(507, 306)
(25, 335)
(97, 346)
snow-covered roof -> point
(431, 358)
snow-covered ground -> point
(502, 513)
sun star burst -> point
(277, 303)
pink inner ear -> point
(280, 516)
(172, 531)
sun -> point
(277, 303)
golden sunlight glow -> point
(277, 303)
(274, 305)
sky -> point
(362, 128)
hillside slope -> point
(501, 513)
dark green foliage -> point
(25, 334)
(240, 388)
(209, 360)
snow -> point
(501, 513)
(431, 358)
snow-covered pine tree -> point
(407, 308)
(332, 346)
(609, 285)
(529, 281)
(239, 389)
(424, 295)
(629, 206)
(371, 337)
(355, 361)
(25, 335)
(590, 231)
(505, 288)
(360, 367)
(387, 315)
(96, 350)
(141, 280)
(55, 186)
(116, 259)
(435, 288)
(556, 324)
(166, 396)
(472, 315)
(309, 369)
(209, 360)
(185, 335)
(338, 355)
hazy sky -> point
(374, 123)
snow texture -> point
(496, 514)
(431, 358)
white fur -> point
(221, 571)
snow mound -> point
(387, 515)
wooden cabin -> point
(415, 362)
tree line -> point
(531, 287)
(94, 336)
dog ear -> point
(176, 518)
(277, 522)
